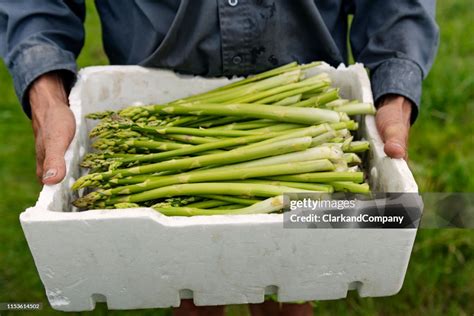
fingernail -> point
(395, 149)
(398, 145)
(49, 174)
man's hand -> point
(53, 126)
(393, 122)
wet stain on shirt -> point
(255, 52)
(270, 9)
(273, 60)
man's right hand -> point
(53, 126)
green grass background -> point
(440, 277)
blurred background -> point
(440, 276)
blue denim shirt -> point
(396, 40)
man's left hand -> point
(393, 122)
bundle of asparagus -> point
(233, 150)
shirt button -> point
(236, 59)
(233, 3)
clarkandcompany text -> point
(340, 218)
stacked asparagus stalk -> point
(232, 150)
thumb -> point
(395, 137)
(393, 123)
(54, 166)
(56, 141)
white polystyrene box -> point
(138, 258)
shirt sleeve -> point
(397, 41)
(40, 36)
